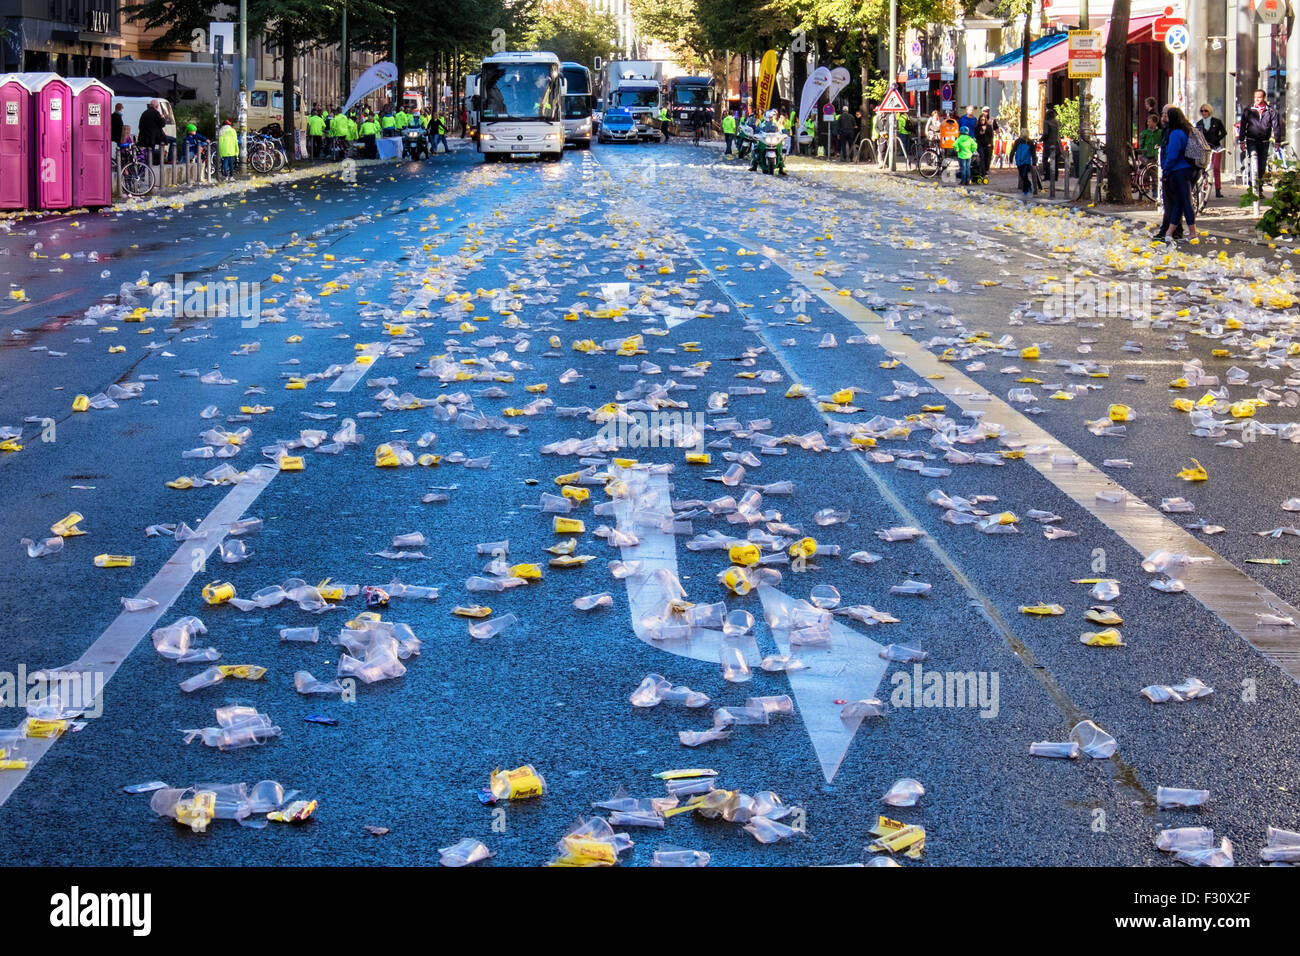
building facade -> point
(71, 37)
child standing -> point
(965, 148)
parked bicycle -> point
(134, 170)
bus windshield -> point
(520, 91)
(642, 98)
(693, 96)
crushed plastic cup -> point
(738, 623)
(680, 858)
(463, 853)
(42, 549)
(862, 709)
(912, 588)
(1068, 750)
(734, 667)
(485, 630)
(1190, 689)
(1176, 839)
(825, 596)
(1093, 741)
(305, 684)
(1107, 638)
(904, 793)
(522, 783)
(589, 602)
(218, 592)
(114, 560)
(1174, 798)
(66, 527)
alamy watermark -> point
(933, 688)
(212, 299)
(1087, 298)
(658, 429)
(56, 690)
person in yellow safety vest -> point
(439, 126)
(403, 119)
(228, 148)
(729, 130)
(339, 130)
(424, 119)
(315, 134)
(369, 130)
(902, 133)
(353, 129)
(388, 121)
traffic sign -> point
(945, 93)
(1270, 11)
(828, 111)
(1162, 24)
(916, 48)
(893, 103)
(1177, 39)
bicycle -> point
(135, 174)
(910, 157)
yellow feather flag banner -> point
(766, 80)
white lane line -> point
(1224, 590)
(110, 650)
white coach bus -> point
(520, 105)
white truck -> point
(637, 86)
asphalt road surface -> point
(704, 294)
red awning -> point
(1057, 57)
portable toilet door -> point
(52, 158)
(15, 144)
(92, 143)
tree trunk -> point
(288, 49)
(1024, 76)
(867, 52)
(1119, 130)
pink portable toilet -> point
(52, 152)
(15, 143)
(92, 143)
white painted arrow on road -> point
(849, 668)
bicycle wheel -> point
(929, 164)
(279, 159)
(137, 179)
(260, 159)
(1148, 182)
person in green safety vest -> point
(663, 122)
(389, 121)
(729, 130)
(315, 134)
(439, 124)
(902, 132)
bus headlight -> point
(552, 136)
(486, 136)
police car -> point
(618, 125)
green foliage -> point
(200, 114)
(572, 30)
(1067, 113)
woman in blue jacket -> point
(1179, 173)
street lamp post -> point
(889, 85)
(243, 81)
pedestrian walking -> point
(439, 124)
(1178, 172)
(1215, 133)
(1260, 123)
(1052, 141)
(985, 129)
(116, 124)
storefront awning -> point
(992, 69)
(1046, 57)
